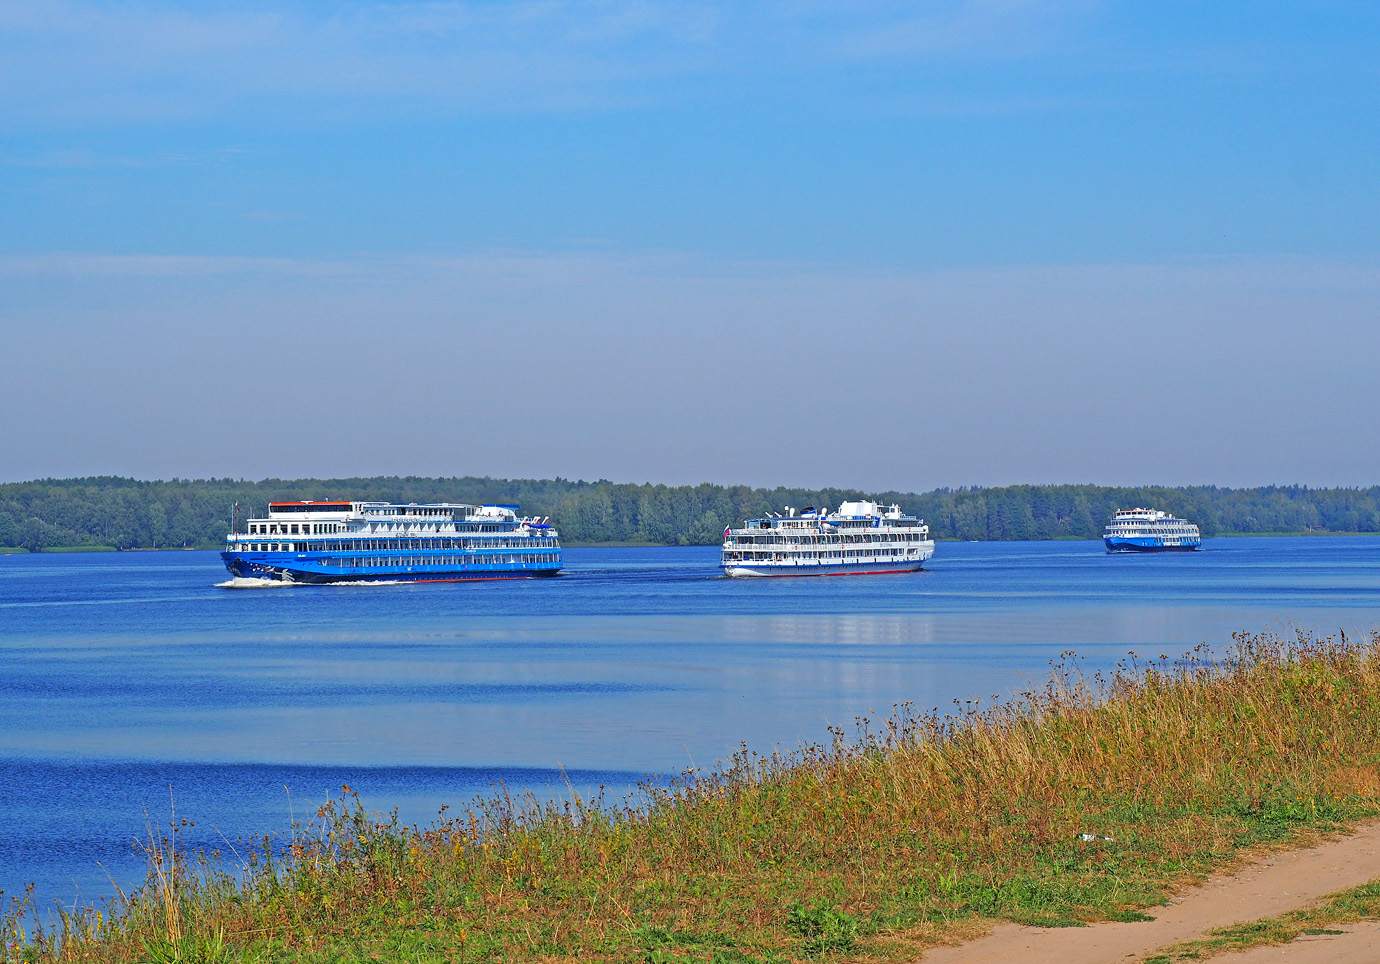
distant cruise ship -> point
(1148, 530)
(382, 542)
(861, 537)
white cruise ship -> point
(1149, 530)
(861, 537)
(315, 542)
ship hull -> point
(737, 569)
(302, 568)
(1148, 545)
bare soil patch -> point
(1276, 884)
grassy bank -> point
(1085, 800)
(10, 550)
(1311, 534)
(80, 549)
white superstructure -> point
(861, 537)
(1149, 530)
(347, 541)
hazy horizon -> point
(724, 483)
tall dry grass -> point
(1084, 799)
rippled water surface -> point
(133, 682)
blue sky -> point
(889, 245)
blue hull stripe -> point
(1148, 544)
(313, 568)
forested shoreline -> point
(132, 514)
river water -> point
(133, 684)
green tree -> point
(158, 524)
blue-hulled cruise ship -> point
(1148, 530)
(316, 542)
(861, 537)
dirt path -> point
(1279, 883)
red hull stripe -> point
(816, 575)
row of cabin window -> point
(387, 561)
(326, 528)
(384, 545)
(766, 554)
(459, 527)
(294, 528)
(1132, 527)
(833, 539)
(368, 545)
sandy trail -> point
(1278, 883)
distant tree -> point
(158, 524)
(35, 534)
(128, 512)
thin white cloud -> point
(73, 159)
(82, 159)
(84, 59)
(977, 30)
(1291, 275)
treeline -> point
(127, 513)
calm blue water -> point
(133, 683)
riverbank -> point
(1318, 891)
(198, 512)
(1085, 800)
(19, 550)
(216, 547)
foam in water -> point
(243, 582)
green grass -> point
(1084, 800)
(1314, 533)
(7, 550)
(1346, 907)
(79, 549)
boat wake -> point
(244, 582)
